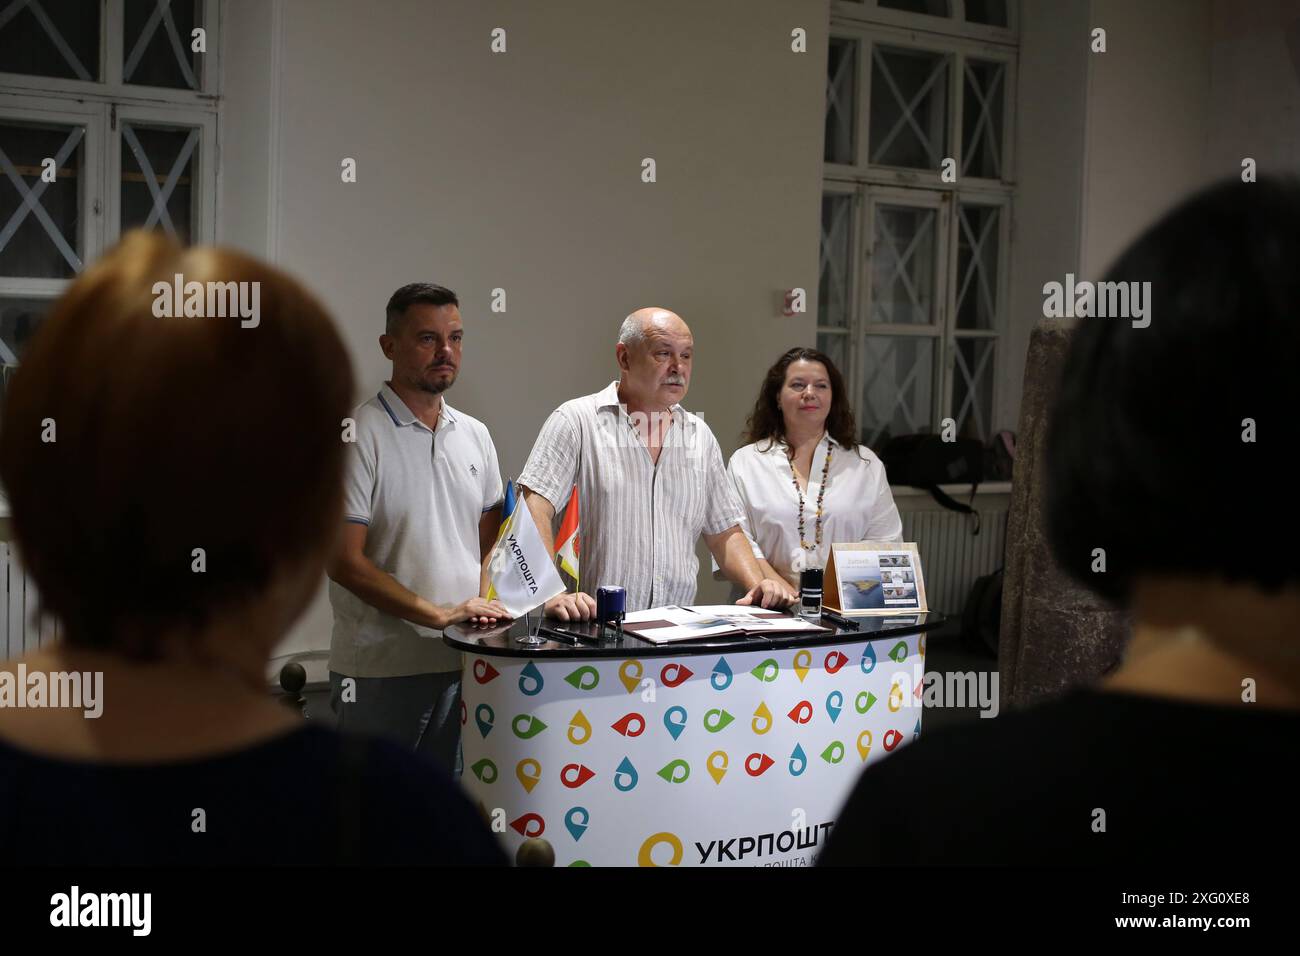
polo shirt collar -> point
(402, 415)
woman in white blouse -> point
(803, 480)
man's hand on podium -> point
(769, 593)
(477, 611)
(572, 607)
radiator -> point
(22, 627)
(951, 557)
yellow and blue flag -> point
(521, 574)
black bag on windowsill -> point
(927, 461)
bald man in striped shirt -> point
(650, 478)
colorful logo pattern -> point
(648, 761)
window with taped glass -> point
(108, 122)
(916, 209)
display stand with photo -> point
(874, 577)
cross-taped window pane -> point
(841, 100)
(40, 220)
(7, 370)
(977, 266)
(50, 38)
(836, 346)
(898, 390)
(835, 265)
(158, 179)
(19, 317)
(972, 387)
(903, 264)
(909, 107)
(983, 94)
(158, 46)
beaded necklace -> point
(821, 491)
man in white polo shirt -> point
(422, 505)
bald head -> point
(654, 352)
(635, 326)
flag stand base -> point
(529, 637)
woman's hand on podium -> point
(572, 607)
(769, 593)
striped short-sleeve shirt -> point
(639, 520)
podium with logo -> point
(732, 751)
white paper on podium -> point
(753, 618)
(684, 624)
(711, 620)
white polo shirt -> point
(421, 495)
(857, 506)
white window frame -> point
(959, 51)
(956, 25)
(205, 164)
(998, 332)
(73, 113)
(101, 201)
(937, 330)
(111, 53)
(870, 185)
(102, 106)
(847, 331)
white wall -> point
(1187, 89)
(245, 133)
(1109, 141)
(1147, 129)
(1051, 104)
(1254, 107)
(522, 171)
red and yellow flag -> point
(566, 541)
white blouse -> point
(857, 505)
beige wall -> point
(522, 171)
(1254, 107)
(245, 125)
(1051, 104)
(1187, 89)
(1106, 142)
(1147, 127)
